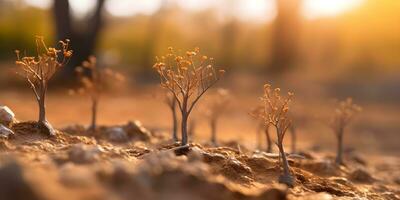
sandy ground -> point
(150, 166)
(76, 165)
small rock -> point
(5, 132)
(136, 130)
(196, 154)
(6, 116)
(117, 134)
(361, 175)
(82, 154)
(213, 157)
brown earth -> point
(76, 164)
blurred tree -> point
(83, 36)
(229, 33)
(286, 35)
(155, 26)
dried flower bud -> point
(68, 54)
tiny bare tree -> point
(258, 113)
(171, 102)
(276, 108)
(216, 108)
(343, 115)
(40, 69)
(187, 77)
(93, 82)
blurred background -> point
(320, 49)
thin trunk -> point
(174, 122)
(213, 126)
(184, 122)
(42, 102)
(184, 129)
(94, 115)
(339, 156)
(286, 177)
(285, 163)
(269, 142)
(42, 122)
(42, 110)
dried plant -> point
(343, 115)
(94, 80)
(216, 109)
(188, 77)
(276, 114)
(258, 113)
(171, 102)
(39, 69)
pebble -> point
(5, 132)
(82, 154)
(117, 134)
(7, 116)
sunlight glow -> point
(43, 4)
(126, 8)
(81, 8)
(248, 10)
(196, 5)
(327, 8)
(256, 10)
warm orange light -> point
(323, 8)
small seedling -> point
(93, 81)
(40, 69)
(188, 78)
(343, 115)
(216, 108)
(276, 114)
(258, 113)
(171, 102)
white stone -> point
(117, 134)
(83, 154)
(6, 115)
(5, 132)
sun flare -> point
(322, 8)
